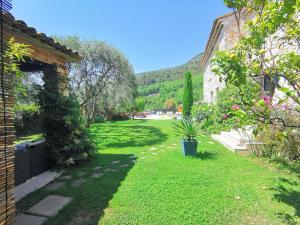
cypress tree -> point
(187, 94)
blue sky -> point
(152, 34)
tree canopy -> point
(103, 80)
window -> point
(269, 86)
(211, 96)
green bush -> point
(27, 119)
(279, 143)
(99, 119)
(214, 118)
(119, 117)
(64, 130)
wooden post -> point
(7, 150)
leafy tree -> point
(187, 95)
(139, 106)
(170, 104)
(103, 80)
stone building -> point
(222, 36)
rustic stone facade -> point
(223, 36)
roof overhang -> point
(44, 48)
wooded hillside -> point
(163, 89)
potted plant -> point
(188, 130)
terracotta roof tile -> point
(22, 26)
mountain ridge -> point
(171, 73)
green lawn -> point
(163, 187)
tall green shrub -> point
(187, 94)
(67, 140)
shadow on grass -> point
(292, 167)
(92, 197)
(120, 135)
(206, 155)
(286, 193)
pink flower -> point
(267, 99)
(284, 106)
(235, 107)
(225, 117)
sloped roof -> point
(43, 38)
(213, 37)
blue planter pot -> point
(189, 147)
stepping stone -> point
(66, 177)
(237, 197)
(96, 175)
(110, 170)
(81, 174)
(50, 206)
(153, 149)
(115, 162)
(174, 145)
(143, 157)
(54, 186)
(24, 219)
(125, 165)
(154, 153)
(78, 182)
(210, 142)
(97, 168)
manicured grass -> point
(163, 187)
(29, 138)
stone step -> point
(237, 139)
(228, 143)
(35, 183)
(240, 138)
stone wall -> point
(212, 84)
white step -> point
(234, 137)
(228, 143)
(240, 137)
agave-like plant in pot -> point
(188, 131)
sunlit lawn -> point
(33, 137)
(162, 187)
